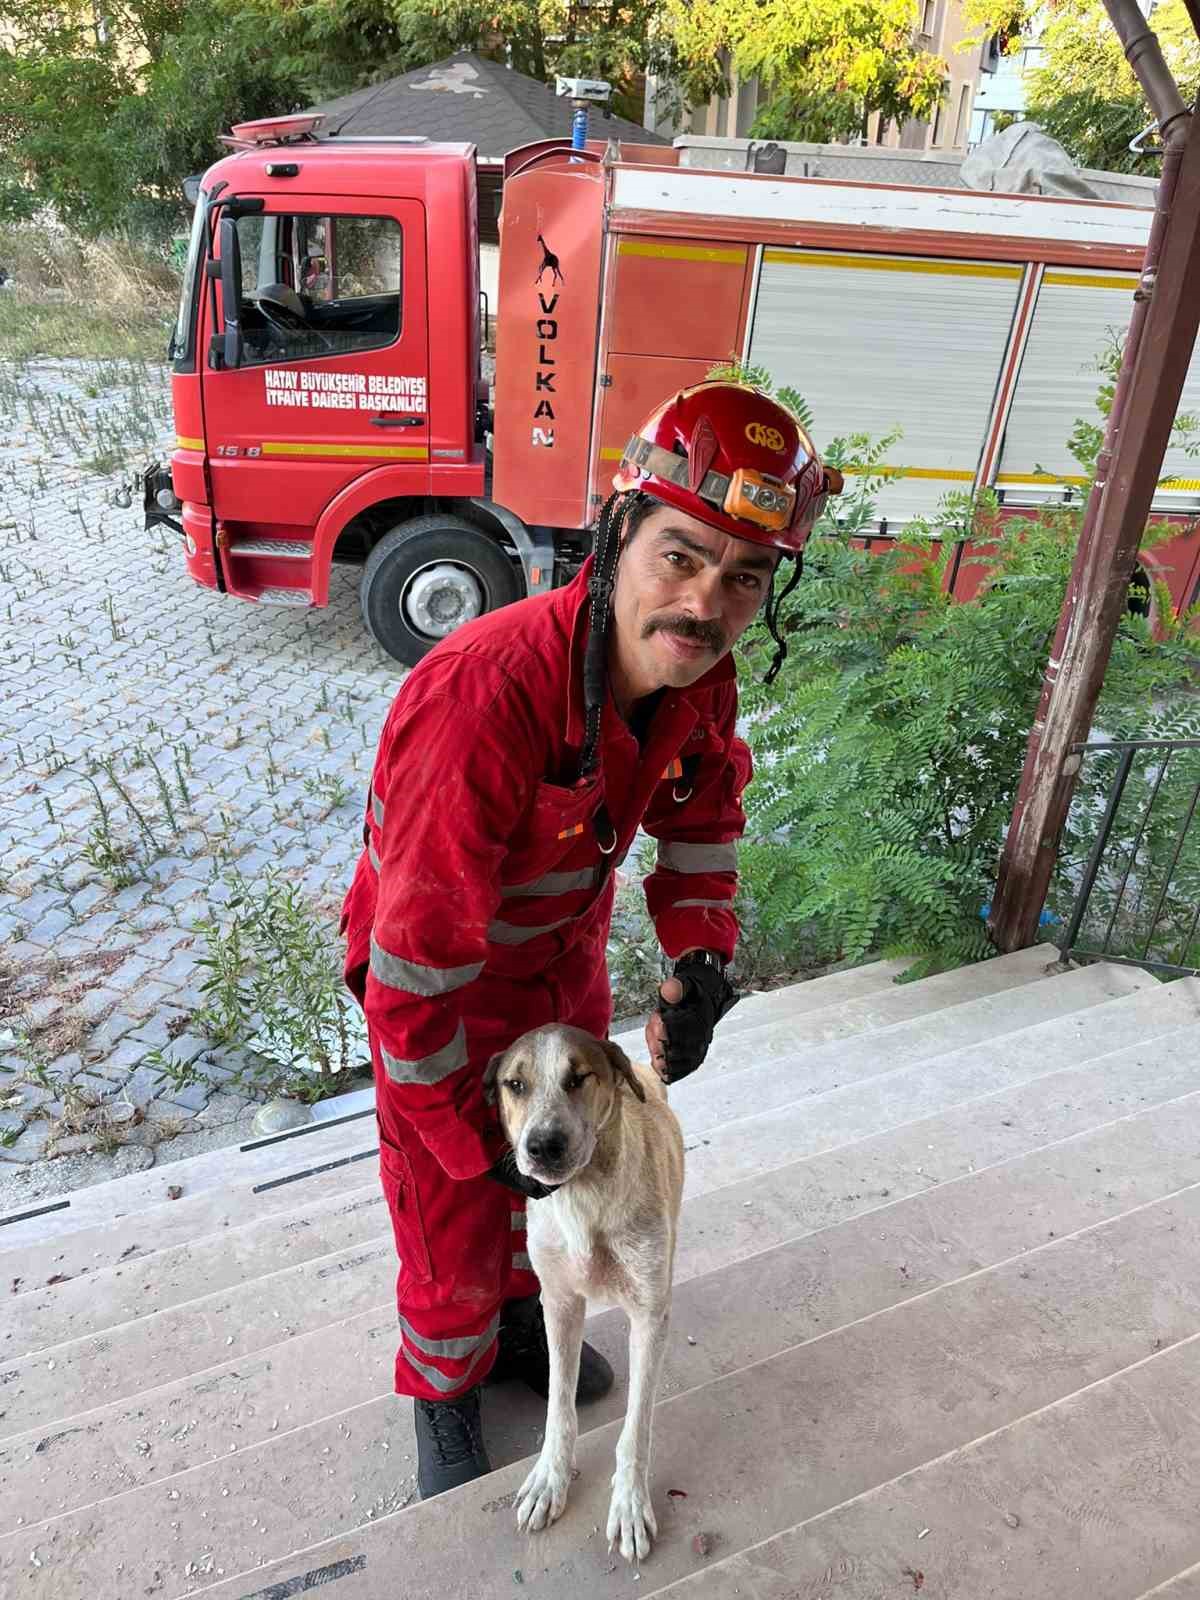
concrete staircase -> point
(936, 1332)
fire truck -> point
(329, 393)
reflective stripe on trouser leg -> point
(455, 1246)
(523, 1280)
(449, 1365)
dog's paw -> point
(543, 1496)
(631, 1521)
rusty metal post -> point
(1147, 62)
(1158, 350)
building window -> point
(928, 16)
(960, 121)
(936, 137)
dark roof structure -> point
(468, 98)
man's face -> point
(685, 593)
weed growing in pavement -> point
(164, 794)
(118, 632)
(113, 858)
(330, 788)
(274, 987)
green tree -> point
(1084, 92)
(104, 122)
(827, 65)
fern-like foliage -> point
(889, 750)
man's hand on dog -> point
(690, 1005)
(509, 1174)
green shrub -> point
(274, 987)
(889, 750)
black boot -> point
(449, 1443)
(524, 1355)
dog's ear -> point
(490, 1073)
(622, 1067)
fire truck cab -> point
(328, 391)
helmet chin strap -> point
(609, 533)
(771, 617)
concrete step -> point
(1074, 1009)
(749, 1149)
(220, 1188)
(752, 1455)
(873, 1015)
(163, 1452)
(808, 1283)
(856, 1179)
(1089, 1499)
(141, 1286)
(133, 1356)
(250, 1316)
(839, 1132)
(98, 1226)
(866, 1013)
(815, 994)
(1184, 1587)
(699, 1103)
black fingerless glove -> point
(506, 1172)
(689, 1023)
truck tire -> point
(427, 577)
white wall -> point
(489, 274)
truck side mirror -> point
(231, 294)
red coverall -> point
(480, 908)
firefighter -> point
(514, 768)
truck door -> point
(877, 343)
(334, 360)
(1078, 316)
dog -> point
(579, 1115)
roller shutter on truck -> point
(1077, 315)
(876, 342)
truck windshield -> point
(183, 334)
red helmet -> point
(734, 458)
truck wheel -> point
(427, 577)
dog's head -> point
(556, 1088)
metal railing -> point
(1141, 881)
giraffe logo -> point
(549, 264)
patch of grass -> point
(69, 297)
(32, 326)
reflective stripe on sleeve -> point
(413, 977)
(681, 857)
(510, 933)
(432, 1068)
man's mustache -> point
(709, 633)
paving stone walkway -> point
(146, 718)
